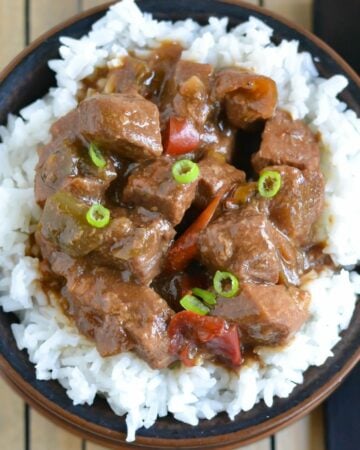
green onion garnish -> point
(98, 216)
(191, 303)
(208, 297)
(226, 284)
(96, 156)
(185, 171)
(269, 183)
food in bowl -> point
(176, 244)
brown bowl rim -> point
(115, 439)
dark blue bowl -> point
(28, 78)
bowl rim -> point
(116, 439)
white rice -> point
(129, 385)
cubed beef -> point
(191, 101)
(248, 245)
(117, 315)
(132, 75)
(63, 222)
(67, 166)
(298, 204)
(186, 93)
(135, 241)
(153, 187)
(249, 98)
(124, 123)
(215, 175)
(267, 315)
(289, 142)
(67, 127)
(218, 141)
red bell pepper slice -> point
(180, 136)
(190, 333)
(185, 247)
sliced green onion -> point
(96, 156)
(98, 216)
(185, 171)
(191, 303)
(226, 284)
(208, 297)
(269, 183)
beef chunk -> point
(119, 316)
(191, 100)
(298, 204)
(67, 166)
(248, 245)
(215, 174)
(184, 70)
(133, 75)
(248, 98)
(267, 315)
(67, 127)
(153, 187)
(64, 223)
(289, 142)
(135, 241)
(124, 123)
(219, 142)
(186, 93)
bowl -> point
(27, 78)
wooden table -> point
(22, 428)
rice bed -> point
(128, 384)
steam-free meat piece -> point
(267, 315)
(134, 75)
(135, 242)
(153, 187)
(186, 93)
(249, 98)
(119, 316)
(192, 98)
(248, 245)
(67, 166)
(219, 142)
(184, 70)
(287, 142)
(215, 175)
(63, 222)
(124, 123)
(299, 202)
(67, 127)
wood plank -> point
(12, 29)
(305, 434)
(45, 14)
(12, 431)
(264, 444)
(92, 446)
(86, 4)
(253, 2)
(299, 11)
(45, 435)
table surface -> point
(21, 427)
